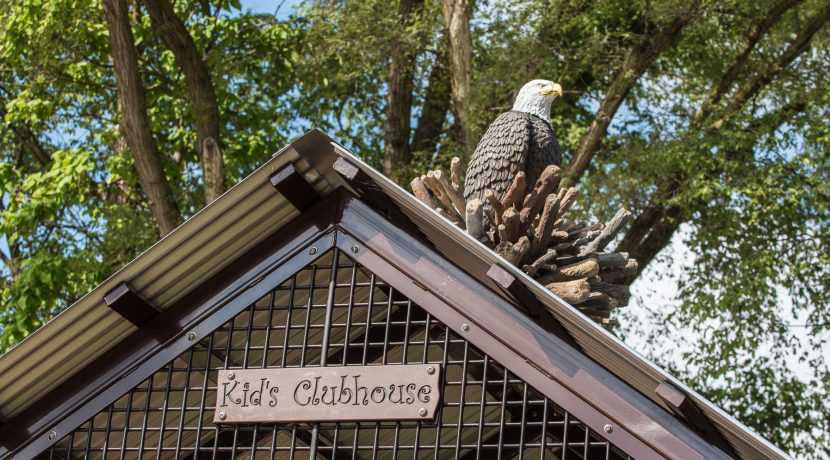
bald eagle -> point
(519, 140)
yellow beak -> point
(555, 89)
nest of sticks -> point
(527, 227)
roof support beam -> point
(294, 187)
(130, 304)
(527, 301)
(366, 188)
(686, 408)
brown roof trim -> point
(577, 383)
(563, 374)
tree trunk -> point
(135, 125)
(638, 59)
(436, 105)
(457, 22)
(171, 29)
(396, 128)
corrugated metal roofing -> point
(240, 219)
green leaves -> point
(753, 189)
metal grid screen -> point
(485, 411)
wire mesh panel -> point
(335, 313)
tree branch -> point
(28, 138)
(654, 228)
(172, 31)
(637, 60)
(728, 78)
(135, 124)
(794, 50)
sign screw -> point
(355, 249)
(191, 336)
(52, 435)
(312, 250)
(231, 375)
(465, 327)
(608, 428)
(430, 370)
(422, 412)
(222, 415)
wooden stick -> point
(541, 262)
(611, 259)
(573, 292)
(599, 316)
(568, 227)
(545, 226)
(521, 247)
(536, 199)
(620, 292)
(456, 199)
(585, 239)
(599, 301)
(608, 233)
(513, 252)
(568, 199)
(420, 191)
(580, 270)
(562, 247)
(505, 249)
(438, 191)
(583, 230)
(515, 193)
(451, 217)
(498, 209)
(455, 174)
(510, 219)
(475, 218)
(614, 274)
(559, 236)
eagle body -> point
(515, 141)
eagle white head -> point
(536, 96)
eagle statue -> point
(519, 140)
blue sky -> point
(283, 8)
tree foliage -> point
(701, 115)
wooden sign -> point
(319, 394)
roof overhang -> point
(243, 221)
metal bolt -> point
(222, 415)
(52, 435)
(608, 428)
(422, 412)
(191, 336)
(430, 370)
(465, 327)
(231, 375)
(355, 249)
(312, 250)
